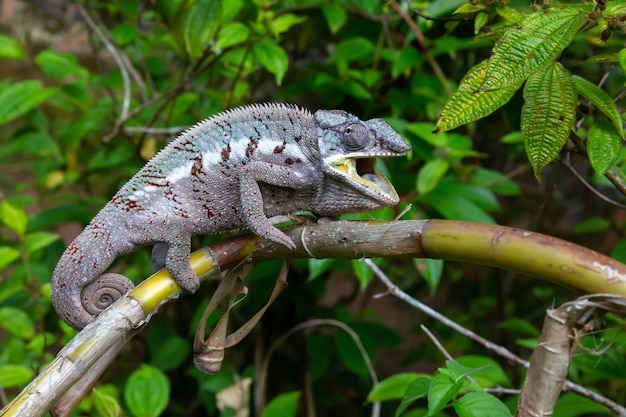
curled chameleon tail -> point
(86, 261)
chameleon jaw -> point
(362, 173)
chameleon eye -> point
(355, 137)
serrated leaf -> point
(283, 405)
(469, 103)
(273, 57)
(530, 45)
(10, 48)
(614, 8)
(548, 114)
(335, 15)
(393, 387)
(418, 389)
(479, 404)
(601, 100)
(21, 97)
(147, 392)
(603, 146)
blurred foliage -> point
(77, 122)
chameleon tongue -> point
(377, 181)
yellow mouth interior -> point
(364, 171)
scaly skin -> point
(234, 170)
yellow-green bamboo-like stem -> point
(527, 252)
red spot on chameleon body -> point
(226, 153)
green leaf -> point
(584, 406)
(470, 103)
(106, 405)
(485, 371)
(273, 57)
(8, 255)
(318, 266)
(363, 273)
(593, 225)
(232, 34)
(431, 270)
(15, 375)
(169, 354)
(352, 49)
(480, 21)
(195, 24)
(458, 372)
(283, 405)
(19, 98)
(57, 65)
(39, 240)
(335, 15)
(124, 33)
(418, 389)
(531, 44)
(16, 322)
(183, 102)
(393, 387)
(285, 21)
(479, 404)
(321, 351)
(147, 392)
(14, 217)
(168, 9)
(430, 174)
(440, 392)
(494, 181)
(456, 207)
(601, 100)
(603, 146)
(548, 114)
(10, 48)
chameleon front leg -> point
(252, 213)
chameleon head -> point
(350, 147)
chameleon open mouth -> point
(364, 172)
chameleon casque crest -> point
(238, 169)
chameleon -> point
(246, 167)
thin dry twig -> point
(420, 39)
(117, 56)
(565, 162)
